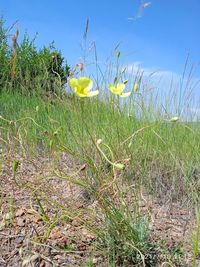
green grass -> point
(76, 125)
(159, 155)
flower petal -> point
(174, 119)
(81, 95)
(93, 93)
(120, 87)
(85, 84)
(73, 83)
(125, 94)
(112, 88)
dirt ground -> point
(28, 238)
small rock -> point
(20, 221)
(8, 216)
(67, 227)
(19, 212)
(96, 260)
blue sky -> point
(160, 39)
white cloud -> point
(151, 71)
(165, 79)
(178, 94)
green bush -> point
(26, 69)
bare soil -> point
(31, 237)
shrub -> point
(30, 70)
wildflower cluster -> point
(83, 85)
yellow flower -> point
(118, 89)
(82, 87)
(174, 119)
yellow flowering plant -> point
(174, 119)
(118, 89)
(82, 87)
